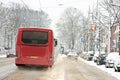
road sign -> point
(82, 39)
(93, 27)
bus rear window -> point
(35, 37)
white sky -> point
(52, 6)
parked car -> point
(83, 55)
(99, 58)
(3, 51)
(66, 52)
(95, 56)
(110, 58)
(90, 55)
(10, 55)
(117, 64)
(72, 54)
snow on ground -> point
(56, 72)
(102, 67)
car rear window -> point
(35, 37)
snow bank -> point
(3, 56)
(102, 67)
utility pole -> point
(119, 38)
(98, 16)
(5, 37)
(109, 35)
(88, 42)
(99, 42)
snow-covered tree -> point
(70, 27)
(15, 16)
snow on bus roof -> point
(30, 28)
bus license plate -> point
(34, 57)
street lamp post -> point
(99, 42)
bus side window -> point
(55, 42)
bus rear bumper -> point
(40, 62)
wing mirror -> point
(55, 42)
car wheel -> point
(118, 70)
(115, 70)
(19, 65)
(106, 65)
(98, 63)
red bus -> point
(35, 46)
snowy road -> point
(63, 69)
(79, 70)
(7, 67)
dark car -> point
(10, 55)
(100, 59)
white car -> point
(3, 51)
(110, 58)
(117, 64)
(90, 55)
(72, 54)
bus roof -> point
(34, 28)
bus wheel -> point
(19, 65)
(49, 67)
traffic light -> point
(93, 27)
